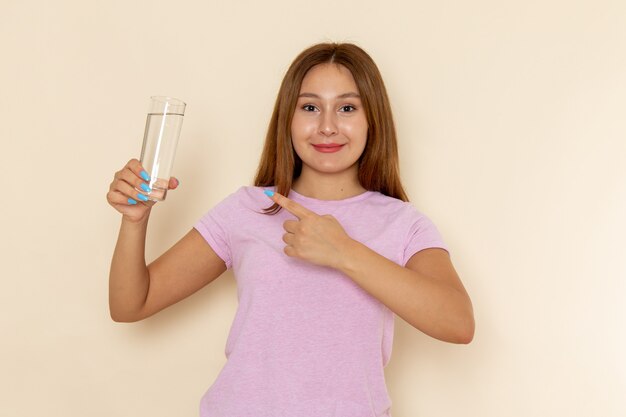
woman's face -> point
(329, 126)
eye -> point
(348, 108)
(308, 107)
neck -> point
(322, 186)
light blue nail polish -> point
(145, 187)
(269, 193)
(131, 201)
(145, 176)
(142, 197)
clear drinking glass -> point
(165, 119)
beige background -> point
(512, 137)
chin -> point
(328, 168)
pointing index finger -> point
(291, 206)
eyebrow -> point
(344, 95)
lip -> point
(328, 147)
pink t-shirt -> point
(306, 340)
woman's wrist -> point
(141, 223)
(348, 255)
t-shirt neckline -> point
(310, 200)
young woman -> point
(325, 248)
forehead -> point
(328, 78)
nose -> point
(328, 124)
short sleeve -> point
(216, 226)
(422, 234)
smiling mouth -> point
(328, 147)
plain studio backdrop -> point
(512, 134)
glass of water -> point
(165, 119)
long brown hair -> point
(379, 163)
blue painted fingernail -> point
(269, 193)
(145, 187)
(131, 201)
(142, 197)
(145, 176)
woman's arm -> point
(427, 293)
(137, 291)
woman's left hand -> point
(317, 239)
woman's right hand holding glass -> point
(124, 196)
